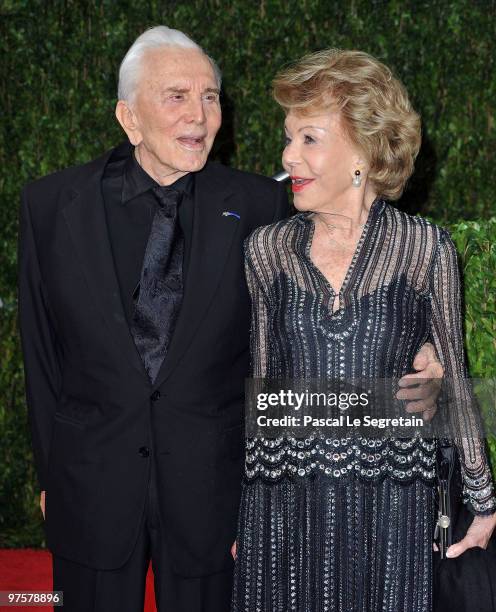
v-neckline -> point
(310, 226)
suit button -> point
(144, 451)
(155, 396)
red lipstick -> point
(298, 183)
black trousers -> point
(123, 589)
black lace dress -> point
(346, 525)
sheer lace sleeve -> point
(259, 318)
(463, 413)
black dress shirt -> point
(130, 206)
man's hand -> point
(234, 550)
(422, 398)
(42, 503)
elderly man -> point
(135, 321)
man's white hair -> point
(154, 38)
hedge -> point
(58, 84)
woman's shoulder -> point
(266, 238)
(419, 227)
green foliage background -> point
(57, 89)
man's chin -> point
(192, 158)
(194, 165)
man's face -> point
(177, 112)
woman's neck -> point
(352, 209)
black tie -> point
(161, 283)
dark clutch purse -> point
(466, 583)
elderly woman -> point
(349, 287)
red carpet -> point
(31, 570)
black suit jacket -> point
(96, 421)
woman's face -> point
(320, 161)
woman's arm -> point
(462, 412)
(259, 314)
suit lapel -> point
(85, 217)
(213, 235)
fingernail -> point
(449, 553)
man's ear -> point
(127, 119)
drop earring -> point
(357, 179)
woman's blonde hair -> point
(375, 110)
